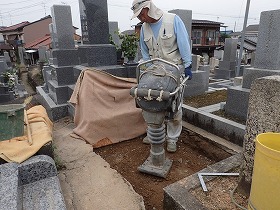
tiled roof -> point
(15, 27)
(47, 17)
(252, 39)
(43, 41)
(252, 28)
(206, 22)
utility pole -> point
(11, 18)
(44, 6)
(242, 38)
(1, 19)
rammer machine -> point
(159, 93)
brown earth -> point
(194, 153)
(210, 99)
(206, 99)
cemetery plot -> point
(194, 153)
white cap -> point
(138, 5)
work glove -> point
(188, 72)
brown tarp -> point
(105, 113)
(19, 148)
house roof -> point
(208, 22)
(15, 27)
(2, 27)
(235, 34)
(43, 41)
(38, 20)
(248, 46)
(4, 46)
(252, 28)
(252, 39)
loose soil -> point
(206, 99)
(218, 195)
(194, 153)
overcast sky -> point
(229, 12)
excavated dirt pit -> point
(194, 153)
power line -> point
(22, 8)
(217, 15)
(15, 3)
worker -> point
(164, 35)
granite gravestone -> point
(53, 36)
(32, 184)
(3, 65)
(199, 83)
(113, 31)
(59, 75)
(227, 66)
(267, 62)
(8, 59)
(21, 55)
(5, 93)
(98, 51)
(186, 16)
(196, 62)
(42, 53)
(64, 52)
(263, 116)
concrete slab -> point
(228, 129)
(177, 196)
(88, 182)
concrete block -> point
(227, 65)
(98, 55)
(251, 74)
(224, 74)
(59, 94)
(227, 129)
(64, 75)
(55, 111)
(198, 84)
(65, 57)
(268, 47)
(237, 81)
(237, 102)
(177, 196)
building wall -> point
(36, 30)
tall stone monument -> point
(200, 81)
(186, 16)
(227, 66)
(59, 75)
(97, 51)
(267, 62)
(113, 30)
(263, 116)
